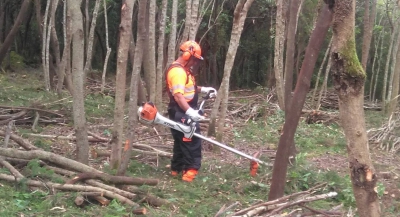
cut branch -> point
(121, 180)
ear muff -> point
(187, 53)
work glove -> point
(194, 114)
(207, 90)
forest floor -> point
(253, 124)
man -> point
(183, 94)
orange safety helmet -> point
(190, 48)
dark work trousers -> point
(186, 154)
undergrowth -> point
(219, 183)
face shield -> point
(193, 65)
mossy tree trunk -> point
(349, 78)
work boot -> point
(189, 175)
(174, 173)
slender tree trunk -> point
(14, 30)
(393, 104)
(279, 50)
(149, 65)
(188, 21)
(316, 105)
(89, 38)
(125, 30)
(82, 144)
(45, 50)
(103, 76)
(349, 78)
(366, 35)
(2, 16)
(324, 88)
(133, 96)
(55, 45)
(302, 86)
(387, 69)
(239, 16)
(374, 73)
(160, 51)
(378, 70)
(194, 17)
(172, 34)
(295, 7)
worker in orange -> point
(184, 93)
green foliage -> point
(14, 60)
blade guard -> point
(147, 113)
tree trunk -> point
(379, 68)
(55, 45)
(313, 103)
(295, 6)
(349, 77)
(193, 20)
(133, 96)
(186, 30)
(89, 37)
(279, 50)
(125, 30)
(160, 58)
(82, 144)
(172, 34)
(103, 76)
(14, 30)
(45, 47)
(394, 80)
(239, 16)
(2, 16)
(377, 41)
(387, 69)
(302, 86)
(149, 65)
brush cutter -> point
(148, 114)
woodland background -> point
(125, 47)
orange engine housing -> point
(149, 111)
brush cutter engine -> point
(148, 114)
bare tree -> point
(299, 96)
(45, 46)
(316, 105)
(133, 96)
(77, 33)
(279, 50)
(89, 37)
(239, 16)
(369, 20)
(349, 78)
(125, 31)
(378, 40)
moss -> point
(351, 63)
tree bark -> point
(89, 37)
(149, 66)
(103, 76)
(378, 40)
(349, 78)
(133, 96)
(369, 20)
(302, 86)
(160, 52)
(279, 50)
(395, 83)
(14, 30)
(123, 49)
(239, 16)
(172, 34)
(82, 144)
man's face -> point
(193, 65)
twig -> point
(223, 210)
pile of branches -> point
(90, 183)
(386, 137)
(293, 205)
(330, 101)
(320, 117)
(29, 115)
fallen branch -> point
(70, 187)
(96, 153)
(47, 156)
(19, 140)
(119, 180)
(13, 117)
(30, 108)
